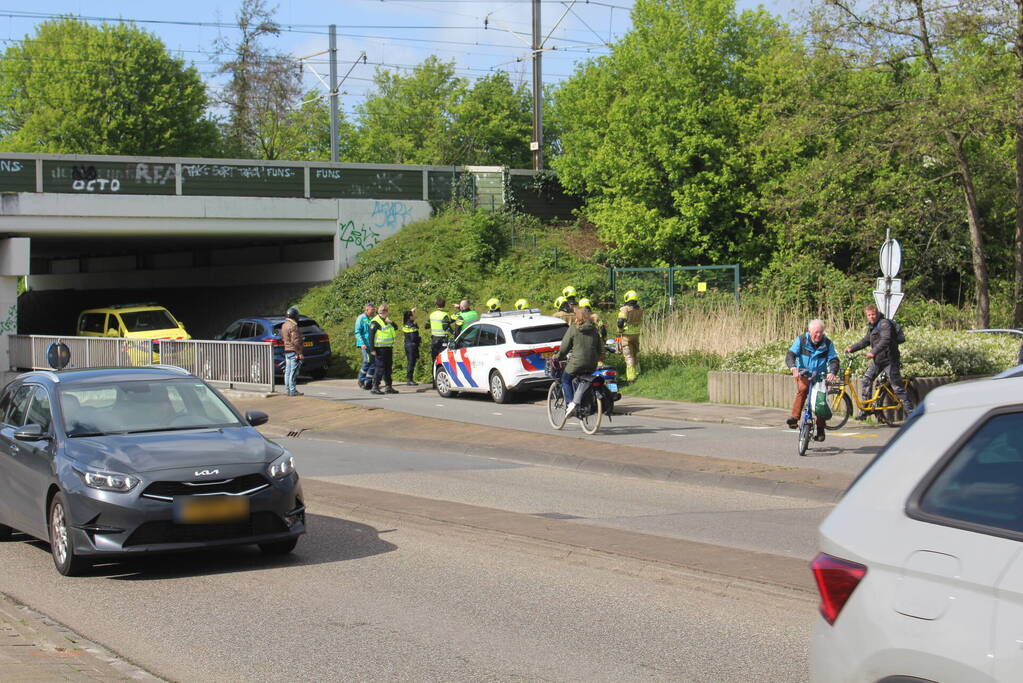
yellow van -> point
(132, 321)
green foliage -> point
(485, 239)
(807, 283)
(656, 134)
(75, 88)
(493, 123)
(672, 378)
(926, 353)
(426, 260)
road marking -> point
(854, 435)
(439, 405)
(745, 427)
(495, 413)
(680, 435)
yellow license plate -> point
(210, 509)
(307, 343)
(547, 355)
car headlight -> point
(282, 466)
(108, 481)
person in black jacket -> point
(410, 329)
(884, 352)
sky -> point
(479, 36)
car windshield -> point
(135, 406)
(543, 334)
(142, 321)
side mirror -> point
(30, 433)
(255, 418)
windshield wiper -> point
(76, 434)
(169, 429)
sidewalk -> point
(36, 648)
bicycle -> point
(883, 403)
(590, 409)
(807, 420)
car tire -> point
(319, 373)
(443, 382)
(61, 547)
(498, 389)
(279, 547)
(5, 532)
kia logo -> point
(206, 473)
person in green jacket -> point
(587, 349)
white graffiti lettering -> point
(328, 173)
(96, 185)
(154, 174)
(10, 165)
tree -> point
(304, 134)
(655, 135)
(75, 88)
(410, 119)
(263, 89)
(494, 123)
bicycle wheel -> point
(805, 431)
(591, 423)
(888, 406)
(556, 406)
(841, 408)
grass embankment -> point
(455, 255)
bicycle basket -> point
(554, 368)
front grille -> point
(166, 490)
(258, 524)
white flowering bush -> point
(926, 353)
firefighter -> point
(521, 305)
(630, 317)
(493, 305)
(595, 317)
(564, 310)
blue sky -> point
(395, 34)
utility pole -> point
(333, 93)
(536, 146)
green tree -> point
(494, 123)
(410, 119)
(655, 134)
(75, 88)
(304, 132)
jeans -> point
(566, 387)
(366, 371)
(291, 364)
(384, 357)
(894, 368)
(411, 356)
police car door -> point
(458, 361)
(488, 353)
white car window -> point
(983, 483)
(489, 336)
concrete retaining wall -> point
(777, 391)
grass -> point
(672, 378)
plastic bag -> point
(819, 401)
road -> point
(422, 565)
(846, 451)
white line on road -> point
(680, 435)
(439, 405)
(495, 413)
(746, 427)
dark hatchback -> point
(108, 463)
(316, 343)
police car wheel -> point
(444, 384)
(498, 389)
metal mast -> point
(537, 144)
(333, 93)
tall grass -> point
(722, 328)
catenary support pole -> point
(333, 94)
(537, 144)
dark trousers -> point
(894, 369)
(411, 356)
(437, 344)
(384, 359)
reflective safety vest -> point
(437, 325)
(385, 335)
(469, 316)
(633, 317)
(409, 329)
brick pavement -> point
(36, 648)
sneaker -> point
(861, 417)
(411, 383)
(819, 436)
(792, 422)
(570, 408)
(391, 390)
(366, 385)
(295, 393)
(376, 391)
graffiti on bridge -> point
(362, 237)
(10, 323)
(392, 214)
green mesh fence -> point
(664, 289)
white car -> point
(499, 354)
(921, 564)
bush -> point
(818, 288)
(926, 353)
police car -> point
(501, 353)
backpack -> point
(898, 332)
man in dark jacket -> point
(884, 352)
(587, 349)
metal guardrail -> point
(233, 364)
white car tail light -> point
(836, 580)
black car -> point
(315, 342)
(112, 462)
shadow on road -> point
(327, 540)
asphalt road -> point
(846, 451)
(373, 594)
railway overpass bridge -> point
(211, 239)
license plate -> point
(613, 386)
(210, 509)
(307, 343)
(547, 355)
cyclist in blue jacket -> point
(814, 352)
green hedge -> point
(926, 353)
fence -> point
(242, 365)
(663, 289)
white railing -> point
(241, 365)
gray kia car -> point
(113, 462)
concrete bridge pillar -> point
(14, 261)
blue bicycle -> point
(807, 420)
